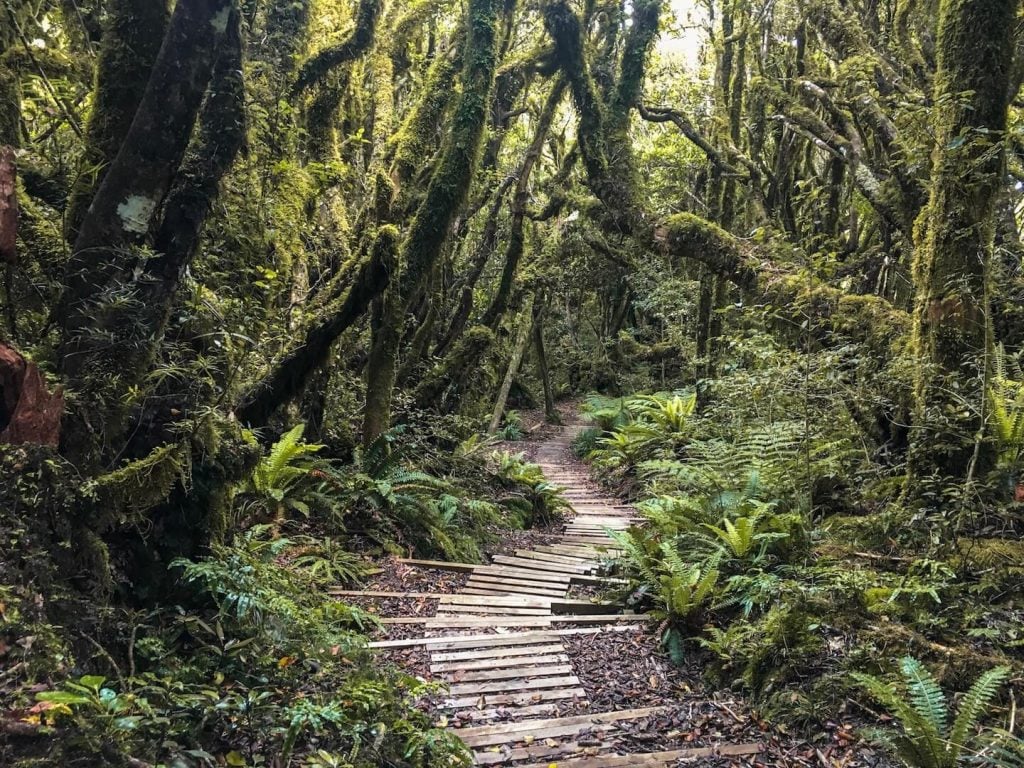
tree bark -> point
(137, 182)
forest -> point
(532, 383)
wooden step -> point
(504, 733)
(653, 759)
(512, 663)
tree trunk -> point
(386, 321)
(516, 239)
(951, 335)
(522, 341)
(540, 350)
(137, 182)
(132, 34)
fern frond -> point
(925, 693)
(974, 704)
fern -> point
(922, 712)
(974, 704)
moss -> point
(416, 138)
(439, 386)
(357, 43)
(688, 236)
(386, 327)
(140, 485)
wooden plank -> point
(514, 699)
(653, 759)
(506, 571)
(521, 562)
(514, 673)
(551, 557)
(468, 622)
(376, 593)
(494, 589)
(598, 580)
(495, 656)
(510, 686)
(502, 733)
(512, 589)
(536, 752)
(464, 641)
(513, 663)
(518, 581)
(564, 552)
(440, 565)
(512, 601)
(482, 715)
(499, 610)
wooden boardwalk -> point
(510, 671)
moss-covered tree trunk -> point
(106, 338)
(522, 342)
(516, 239)
(543, 369)
(12, 15)
(951, 332)
(386, 323)
(132, 33)
(445, 194)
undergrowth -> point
(774, 545)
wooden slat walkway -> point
(517, 676)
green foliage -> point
(1006, 405)
(926, 740)
(269, 670)
(281, 480)
(526, 488)
(512, 428)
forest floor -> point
(539, 668)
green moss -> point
(685, 235)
